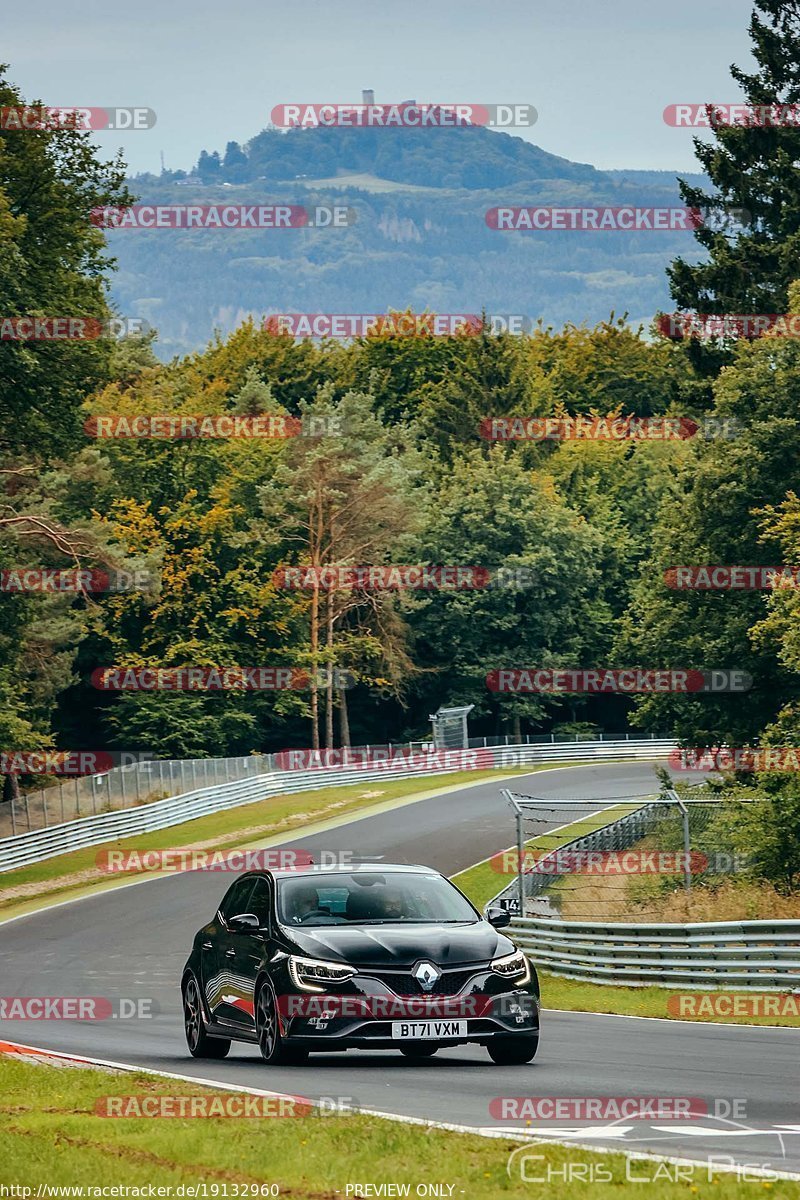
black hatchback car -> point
(371, 957)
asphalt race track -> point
(133, 942)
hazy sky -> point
(600, 74)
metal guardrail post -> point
(520, 858)
(687, 843)
(509, 795)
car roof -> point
(379, 868)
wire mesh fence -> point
(122, 787)
(66, 799)
(549, 739)
(613, 859)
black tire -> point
(271, 1042)
(513, 1050)
(199, 1043)
(420, 1050)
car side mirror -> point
(243, 922)
(497, 916)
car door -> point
(226, 991)
(248, 946)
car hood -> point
(401, 945)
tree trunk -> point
(517, 730)
(344, 722)
(315, 669)
(10, 789)
(10, 795)
(329, 684)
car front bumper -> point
(515, 1012)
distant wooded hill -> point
(424, 249)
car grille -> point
(449, 983)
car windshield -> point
(371, 898)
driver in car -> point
(305, 903)
(392, 907)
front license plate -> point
(428, 1030)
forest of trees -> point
(400, 474)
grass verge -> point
(663, 899)
(50, 1135)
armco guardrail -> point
(764, 955)
(143, 780)
(27, 848)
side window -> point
(236, 898)
(259, 902)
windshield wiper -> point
(413, 921)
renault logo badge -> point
(426, 974)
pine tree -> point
(234, 164)
(754, 167)
(208, 166)
(254, 396)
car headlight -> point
(513, 966)
(312, 974)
